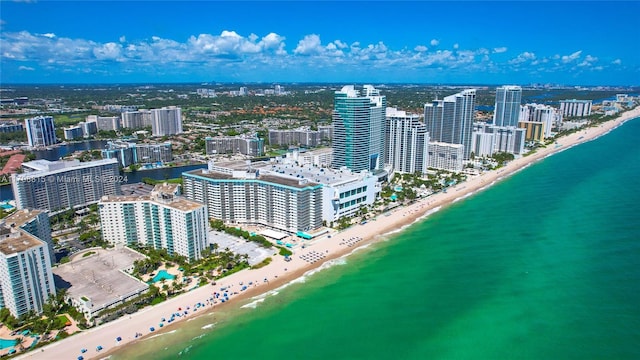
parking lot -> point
(255, 252)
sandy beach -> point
(279, 272)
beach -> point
(280, 272)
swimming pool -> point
(162, 275)
(6, 343)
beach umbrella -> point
(80, 357)
(83, 351)
(161, 325)
(118, 338)
(152, 329)
(98, 348)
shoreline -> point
(318, 252)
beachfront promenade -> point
(280, 272)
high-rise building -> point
(280, 194)
(256, 197)
(161, 220)
(445, 156)
(507, 107)
(61, 185)
(575, 108)
(544, 114)
(450, 120)
(252, 145)
(131, 153)
(507, 139)
(40, 131)
(166, 121)
(303, 137)
(26, 280)
(407, 142)
(73, 132)
(359, 129)
(136, 119)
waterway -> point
(130, 177)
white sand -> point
(280, 272)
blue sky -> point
(580, 43)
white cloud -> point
(434, 42)
(49, 35)
(25, 68)
(456, 46)
(523, 57)
(617, 62)
(572, 57)
(499, 50)
(122, 39)
(420, 48)
(309, 45)
(340, 44)
(108, 51)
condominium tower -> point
(407, 142)
(507, 107)
(40, 131)
(62, 185)
(166, 121)
(359, 129)
(161, 220)
(450, 120)
(26, 280)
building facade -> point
(166, 121)
(575, 108)
(301, 137)
(251, 197)
(445, 156)
(131, 153)
(26, 280)
(40, 131)
(161, 220)
(359, 129)
(252, 146)
(451, 120)
(61, 185)
(507, 106)
(136, 119)
(407, 142)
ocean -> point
(544, 264)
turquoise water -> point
(5, 343)
(543, 265)
(162, 275)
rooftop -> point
(18, 241)
(20, 217)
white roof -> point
(273, 234)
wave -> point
(158, 335)
(208, 326)
(252, 305)
(198, 337)
(186, 350)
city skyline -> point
(491, 43)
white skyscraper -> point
(166, 121)
(26, 280)
(507, 107)
(407, 142)
(450, 120)
(40, 131)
